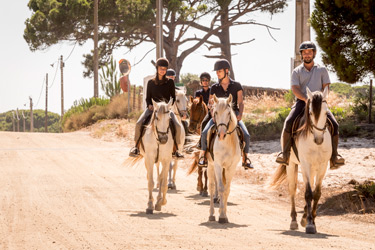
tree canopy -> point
(346, 33)
(132, 22)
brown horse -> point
(198, 110)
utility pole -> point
(302, 28)
(24, 122)
(18, 121)
(159, 29)
(62, 64)
(96, 90)
(13, 122)
(46, 115)
(369, 110)
(31, 115)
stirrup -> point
(280, 159)
(247, 164)
(335, 165)
(134, 152)
(202, 162)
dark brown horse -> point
(198, 110)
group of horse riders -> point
(308, 74)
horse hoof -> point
(158, 207)
(293, 225)
(149, 211)
(310, 229)
(204, 194)
(216, 200)
(170, 186)
(174, 187)
(303, 222)
(212, 218)
(223, 220)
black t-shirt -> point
(205, 94)
(158, 93)
(233, 88)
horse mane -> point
(316, 103)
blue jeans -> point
(240, 123)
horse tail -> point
(133, 161)
(278, 177)
(193, 167)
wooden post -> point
(134, 89)
(139, 99)
(31, 115)
(369, 110)
(18, 121)
(24, 122)
(13, 122)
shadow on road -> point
(217, 225)
(304, 235)
(154, 216)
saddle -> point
(212, 133)
(298, 122)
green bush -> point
(289, 97)
(366, 189)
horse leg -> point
(317, 192)
(211, 177)
(157, 174)
(216, 197)
(292, 174)
(150, 179)
(161, 199)
(200, 183)
(174, 187)
(170, 184)
(310, 227)
(223, 216)
(205, 193)
(221, 188)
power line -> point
(71, 51)
(57, 66)
(41, 91)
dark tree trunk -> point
(224, 37)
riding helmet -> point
(171, 72)
(307, 45)
(162, 62)
(221, 64)
(205, 75)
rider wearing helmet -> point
(171, 74)
(224, 88)
(158, 89)
(205, 79)
(316, 77)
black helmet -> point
(307, 45)
(171, 72)
(162, 62)
(205, 75)
(221, 64)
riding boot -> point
(246, 162)
(336, 159)
(134, 151)
(202, 161)
(283, 157)
(176, 153)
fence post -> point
(369, 110)
(134, 89)
(139, 99)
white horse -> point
(314, 146)
(227, 155)
(180, 110)
(158, 147)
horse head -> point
(181, 104)
(316, 114)
(224, 116)
(160, 120)
(198, 110)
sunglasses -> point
(205, 80)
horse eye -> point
(178, 100)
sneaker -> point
(177, 155)
(202, 162)
(247, 164)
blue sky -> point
(263, 62)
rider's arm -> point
(240, 104)
(325, 85)
(298, 93)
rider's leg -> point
(202, 155)
(246, 162)
(179, 136)
(138, 131)
(298, 108)
(336, 159)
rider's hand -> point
(239, 117)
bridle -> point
(315, 127)
(225, 125)
(157, 130)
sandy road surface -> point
(71, 191)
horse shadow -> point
(207, 203)
(216, 225)
(302, 234)
(196, 197)
(154, 216)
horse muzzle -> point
(318, 140)
(163, 139)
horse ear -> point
(200, 99)
(309, 94)
(325, 92)
(170, 103)
(155, 104)
(191, 99)
(229, 100)
(215, 99)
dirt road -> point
(71, 191)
